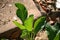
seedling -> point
(29, 27)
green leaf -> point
(19, 25)
(39, 24)
(57, 36)
(29, 23)
(51, 31)
(21, 11)
(57, 26)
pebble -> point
(14, 18)
(10, 5)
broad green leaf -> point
(19, 25)
(21, 11)
(57, 36)
(51, 31)
(39, 24)
(29, 23)
(57, 26)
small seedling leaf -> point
(21, 11)
(39, 24)
(29, 23)
(57, 36)
(19, 25)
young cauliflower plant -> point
(29, 27)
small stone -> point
(51, 22)
(14, 18)
(37, 0)
(10, 5)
